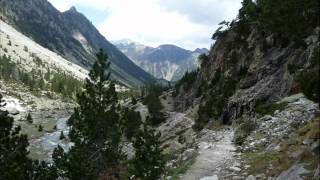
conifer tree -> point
(40, 128)
(61, 135)
(29, 118)
(132, 122)
(133, 100)
(148, 163)
(96, 129)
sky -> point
(185, 23)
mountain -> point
(260, 78)
(169, 62)
(71, 35)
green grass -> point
(263, 108)
(182, 167)
(269, 163)
(291, 151)
(244, 130)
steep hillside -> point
(69, 34)
(39, 82)
(262, 77)
(166, 61)
(242, 72)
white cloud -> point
(186, 23)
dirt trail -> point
(217, 157)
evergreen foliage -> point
(154, 104)
(148, 163)
(96, 129)
(60, 83)
(272, 16)
(203, 59)
(62, 135)
(187, 80)
(132, 122)
(133, 100)
(213, 103)
(29, 118)
(221, 31)
(40, 128)
(309, 85)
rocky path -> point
(217, 157)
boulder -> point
(214, 177)
(295, 172)
(12, 111)
(251, 177)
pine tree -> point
(132, 122)
(29, 118)
(40, 128)
(61, 135)
(154, 104)
(148, 163)
(96, 129)
(133, 100)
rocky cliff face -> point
(166, 61)
(239, 75)
(70, 34)
(268, 89)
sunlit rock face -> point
(71, 35)
(168, 62)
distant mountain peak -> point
(166, 61)
(201, 50)
(73, 9)
(125, 41)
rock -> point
(237, 177)
(235, 169)
(188, 154)
(317, 172)
(260, 176)
(295, 172)
(12, 111)
(307, 141)
(236, 164)
(270, 40)
(214, 177)
(251, 177)
(315, 146)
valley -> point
(74, 105)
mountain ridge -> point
(166, 61)
(71, 35)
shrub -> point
(243, 131)
(187, 80)
(29, 118)
(221, 31)
(25, 48)
(62, 135)
(309, 84)
(40, 128)
(263, 108)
